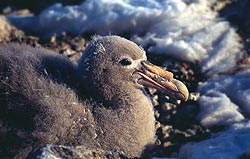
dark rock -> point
(70, 152)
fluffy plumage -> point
(46, 99)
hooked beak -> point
(162, 80)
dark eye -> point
(125, 62)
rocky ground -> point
(176, 123)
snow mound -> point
(230, 144)
(217, 109)
(225, 99)
(236, 87)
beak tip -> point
(182, 90)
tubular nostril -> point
(142, 62)
(142, 65)
(146, 63)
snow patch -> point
(236, 87)
(217, 109)
(230, 144)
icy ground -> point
(231, 144)
(186, 30)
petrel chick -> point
(98, 103)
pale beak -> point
(162, 80)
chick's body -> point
(46, 99)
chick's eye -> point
(125, 62)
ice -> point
(184, 29)
(217, 109)
(230, 144)
(225, 99)
(102, 17)
(236, 87)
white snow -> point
(224, 98)
(103, 16)
(230, 144)
(184, 29)
(217, 109)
